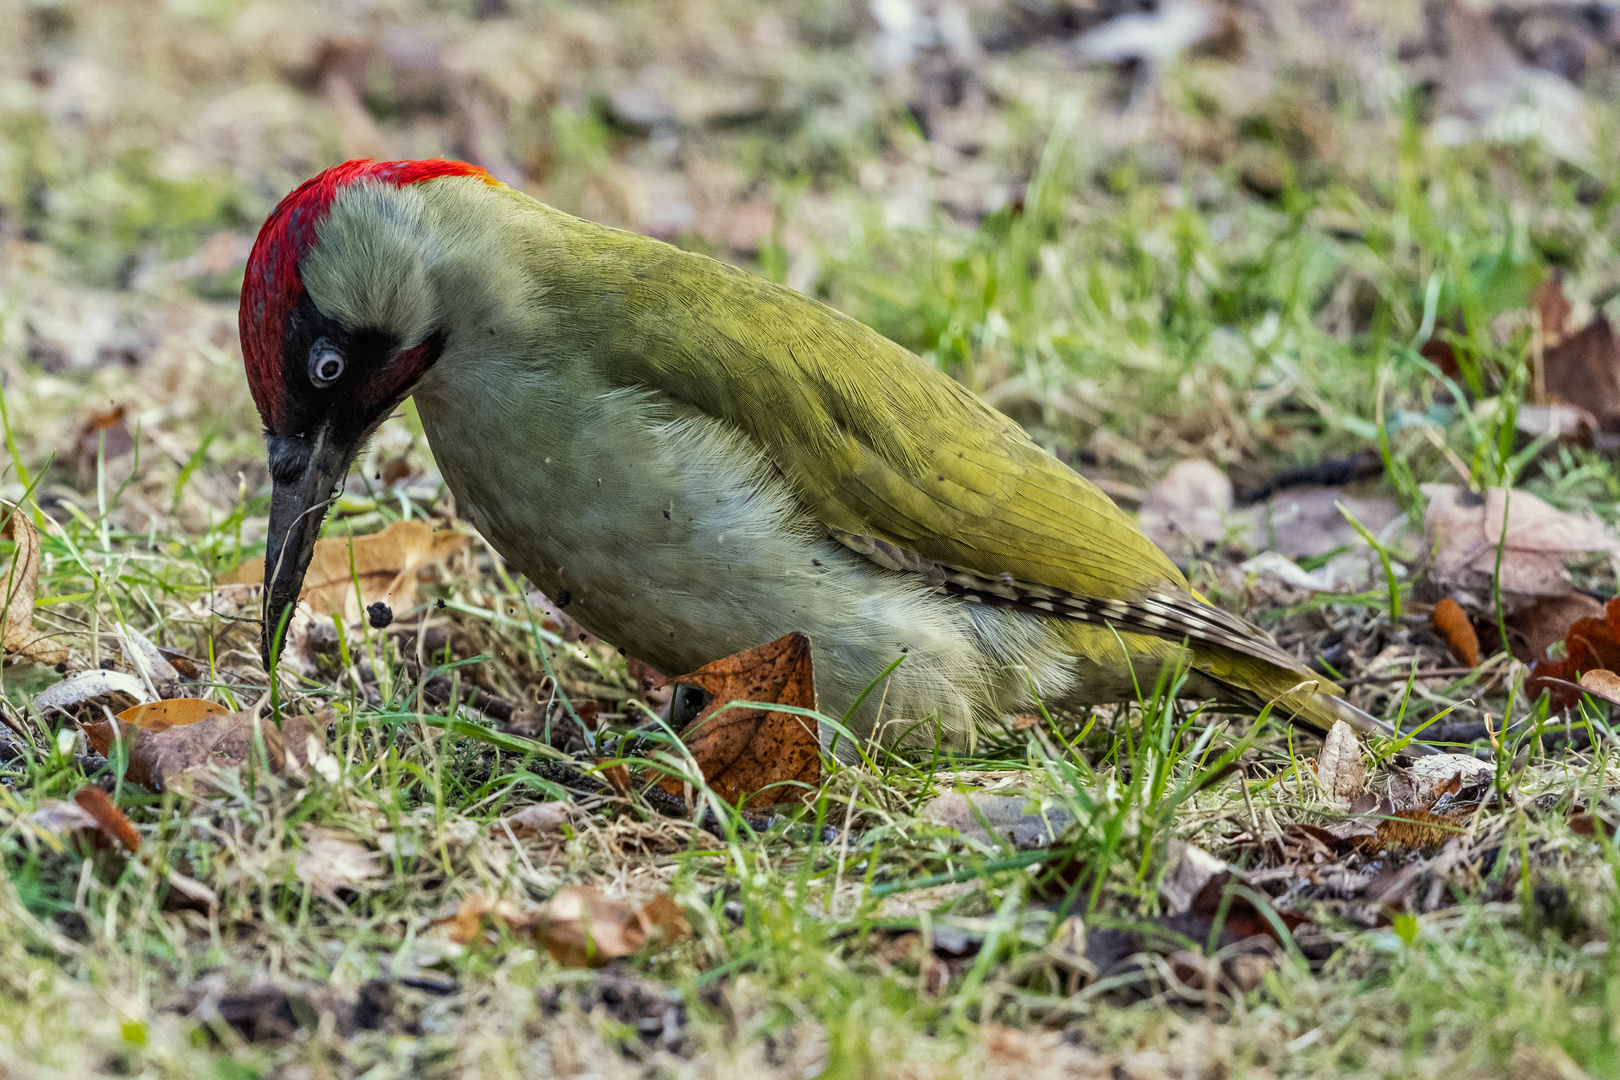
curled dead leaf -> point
(1340, 770)
(1435, 776)
(1451, 623)
(1465, 529)
(104, 434)
(761, 755)
(91, 695)
(1536, 627)
(1602, 683)
(19, 587)
(60, 820)
(1188, 869)
(109, 818)
(385, 564)
(170, 740)
(140, 654)
(584, 928)
(1590, 644)
(537, 819)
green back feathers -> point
(875, 441)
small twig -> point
(1330, 472)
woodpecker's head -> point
(338, 322)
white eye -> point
(325, 364)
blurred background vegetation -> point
(1146, 230)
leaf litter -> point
(1490, 81)
(19, 587)
(171, 742)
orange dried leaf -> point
(617, 775)
(385, 563)
(1451, 623)
(468, 920)
(663, 920)
(761, 755)
(171, 712)
(165, 745)
(111, 820)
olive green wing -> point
(877, 443)
(900, 462)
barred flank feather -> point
(1163, 614)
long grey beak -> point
(305, 473)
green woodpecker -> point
(694, 461)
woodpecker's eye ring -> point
(325, 364)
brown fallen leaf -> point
(19, 585)
(104, 434)
(1602, 683)
(167, 743)
(1583, 370)
(584, 928)
(1187, 510)
(1339, 768)
(760, 755)
(1589, 645)
(328, 862)
(109, 818)
(1536, 627)
(536, 819)
(386, 564)
(1464, 530)
(1451, 623)
(617, 775)
(580, 926)
(1552, 308)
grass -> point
(1243, 278)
